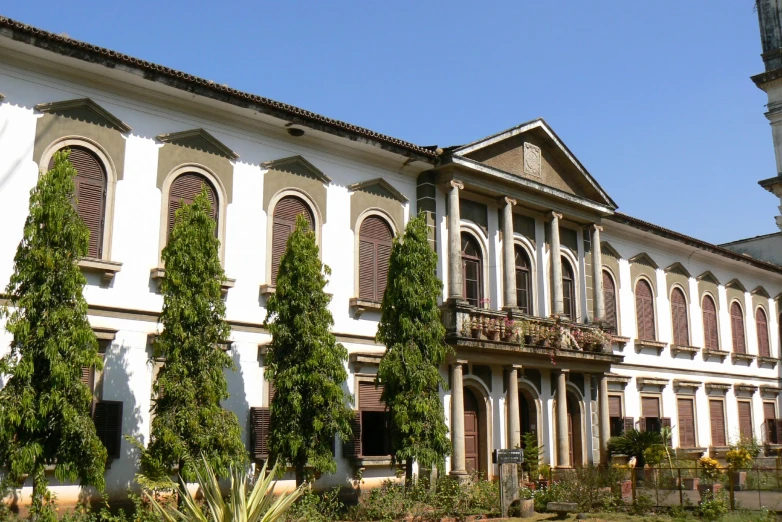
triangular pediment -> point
(84, 109)
(379, 187)
(759, 290)
(708, 277)
(677, 268)
(299, 166)
(644, 259)
(534, 152)
(736, 284)
(607, 250)
(199, 139)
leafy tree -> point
(305, 363)
(44, 407)
(634, 443)
(189, 420)
(413, 334)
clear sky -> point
(654, 98)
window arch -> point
(183, 191)
(737, 328)
(609, 300)
(523, 280)
(374, 252)
(90, 192)
(644, 310)
(286, 211)
(761, 324)
(681, 330)
(472, 270)
(568, 289)
(710, 328)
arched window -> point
(681, 330)
(523, 281)
(737, 328)
(374, 252)
(472, 270)
(90, 193)
(762, 326)
(568, 290)
(183, 191)
(644, 310)
(710, 328)
(285, 213)
(609, 298)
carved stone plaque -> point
(532, 160)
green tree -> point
(413, 334)
(44, 407)
(189, 421)
(305, 362)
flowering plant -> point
(738, 458)
(710, 468)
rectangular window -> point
(615, 415)
(375, 441)
(650, 410)
(770, 422)
(686, 410)
(717, 415)
(745, 419)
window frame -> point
(317, 218)
(692, 400)
(480, 300)
(608, 272)
(687, 341)
(568, 259)
(357, 243)
(761, 309)
(704, 296)
(724, 422)
(733, 336)
(646, 281)
(522, 247)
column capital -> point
(458, 362)
(507, 200)
(555, 215)
(456, 184)
(515, 367)
(563, 371)
(595, 227)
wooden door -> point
(471, 432)
(571, 456)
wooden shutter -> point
(777, 426)
(369, 397)
(650, 407)
(568, 290)
(260, 421)
(686, 411)
(681, 332)
(614, 406)
(609, 297)
(375, 240)
(352, 447)
(762, 326)
(717, 415)
(285, 213)
(769, 411)
(642, 424)
(108, 426)
(629, 424)
(710, 324)
(745, 419)
(183, 191)
(644, 310)
(88, 377)
(737, 328)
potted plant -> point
(545, 476)
(509, 326)
(526, 331)
(710, 472)
(476, 327)
(492, 329)
(738, 459)
(526, 502)
(634, 443)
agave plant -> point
(259, 505)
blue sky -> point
(654, 98)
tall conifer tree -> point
(413, 334)
(189, 420)
(305, 363)
(44, 406)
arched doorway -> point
(575, 430)
(472, 432)
(528, 414)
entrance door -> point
(471, 432)
(570, 438)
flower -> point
(710, 468)
(738, 458)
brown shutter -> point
(366, 270)
(686, 410)
(184, 190)
(260, 421)
(737, 328)
(108, 426)
(285, 213)
(681, 333)
(614, 406)
(717, 415)
(745, 419)
(369, 397)
(769, 411)
(352, 447)
(383, 260)
(88, 377)
(710, 323)
(642, 424)
(629, 424)
(650, 407)
(762, 327)
(777, 432)
(375, 240)
(644, 310)
(609, 297)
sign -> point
(509, 456)
(508, 459)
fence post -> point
(730, 487)
(681, 487)
(760, 501)
(632, 478)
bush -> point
(713, 506)
(314, 507)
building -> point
(523, 232)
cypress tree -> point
(44, 407)
(189, 420)
(413, 334)
(305, 363)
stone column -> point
(508, 254)
(454, 242)
(597, 273)
(514, 417)
(558, 302)
(563, 442)
(603, 419)
(457, 420)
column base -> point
(458, 301)
(460, 475)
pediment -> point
(736, 284)
(533, 151)
(379, 187)
(297, 165)
(644, 259)
(677, 268)
(759, 290)
(708, 277)
(607, 250)
(199, 139)
(84, 109)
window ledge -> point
(722, 354)
(771, 361)
(690, 350)
(692, 451)
(106, 269)
(744, 357)
(359, 306)
(267, 290)
(159, 273)
(621, 341)
(374, 462)
(104, 334)
(646, 343)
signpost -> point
(508, 460)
